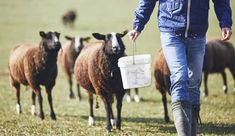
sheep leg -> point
(18, 106)
(137, 97)
(33, 108)
(49, 97)
(40, 100)
(164, 101)
(71, 95)
(112, 120)
(225, 87)
(107, 105)
(232, 70)
(79, 93)
(91, 120)
(128, 96)
(119, 98)
(205, 83)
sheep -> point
(67, 57)
(35, 65)
(69, 17)
(97, 71)
(218, 56)
(136, 96)
(162, 80)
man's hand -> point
(133, 34)
(226, 34)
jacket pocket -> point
(174, 6)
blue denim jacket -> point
(183, 16)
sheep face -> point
(78, 42)
(50, 41)
(113, 42)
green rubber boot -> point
(195, 116)
(182, 117)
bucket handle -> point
(133, 51)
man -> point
(183, 25)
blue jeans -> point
(184, 58)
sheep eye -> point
(108, 36)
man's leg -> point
(195, 55)
(174, 50)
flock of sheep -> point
(95, 66)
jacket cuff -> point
(223, 25)
(138, 28)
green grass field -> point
(21, 21)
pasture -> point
(21, 21)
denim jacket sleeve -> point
(143, 13)
(223, 13)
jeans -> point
(184, 57)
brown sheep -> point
(67, 57)
(162, 80)
(35, 65)
(218, 56)
(69, 18)
(96, 70)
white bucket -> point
(137, 74)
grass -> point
(20, 22)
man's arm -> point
(143, 13)
(224, 15)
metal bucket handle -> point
(133, 51)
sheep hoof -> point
(137, 98)
(225, 89)
(18, 109)
(112, 122)
(33, 110)
(91, 121)
(71, 96)
(205, 94)
(128, 98)
(118, 127)
(41, 115)
(109, 129)
(167, 119)
(53, 116)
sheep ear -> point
(86, 39)
(68, 38)
(42, 34)
(123, 33)
(57, 34)
(98, 36)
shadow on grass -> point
(206, 128)
(219, 129)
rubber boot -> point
(182, 117)
(195, 116)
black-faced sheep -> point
(162, 80)
(69, 17)
(96, 70)
(35, 65)
(67, 57)
(218, 56)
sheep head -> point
(50, 41)
(113, 42)
(77, 42)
